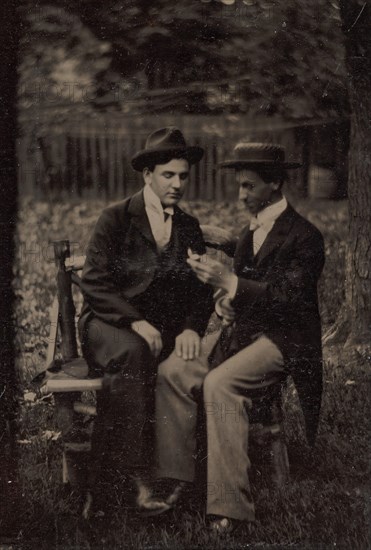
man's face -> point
(254, 192)
(168, 180)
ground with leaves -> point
(325, 504)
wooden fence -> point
(90, 157)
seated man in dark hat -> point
(270, 304)
(141, 300)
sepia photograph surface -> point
(185, 274)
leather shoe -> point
(91, 509)
(221, 526)
(177, 493)
(87, 508)
(146, 504)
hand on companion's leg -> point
(178, 383)
(188, 344)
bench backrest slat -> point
(67, 308)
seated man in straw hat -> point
(141, 300)
(270, 299)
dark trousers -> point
(123, 428)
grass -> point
(325, 504)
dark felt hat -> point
(258, 155)
(163, 142)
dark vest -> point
(161, 303)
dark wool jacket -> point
(122, 262)
(277, 295)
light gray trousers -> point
(226, 403)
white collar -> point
(152, 201)
(272, 212)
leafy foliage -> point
(59, 58)
(256, 56)
(296, 58)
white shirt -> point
(161, 229)
(264, 221)
(261, 224)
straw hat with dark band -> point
(258, 155)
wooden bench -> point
(68, 378)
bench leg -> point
(280, 460)
(64, 412)
(65, 477)
(75, 445)
(75, 463)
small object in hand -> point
(193, 256)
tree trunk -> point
(354, 321)
(8, 219)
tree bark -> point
(354, 321)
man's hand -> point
(210, 271)
(150, 334)
(187, 344)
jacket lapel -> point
(244, 252)
(277, 235)
(139, 217)
(179, 232)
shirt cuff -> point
(218, 309)
(232, 289)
